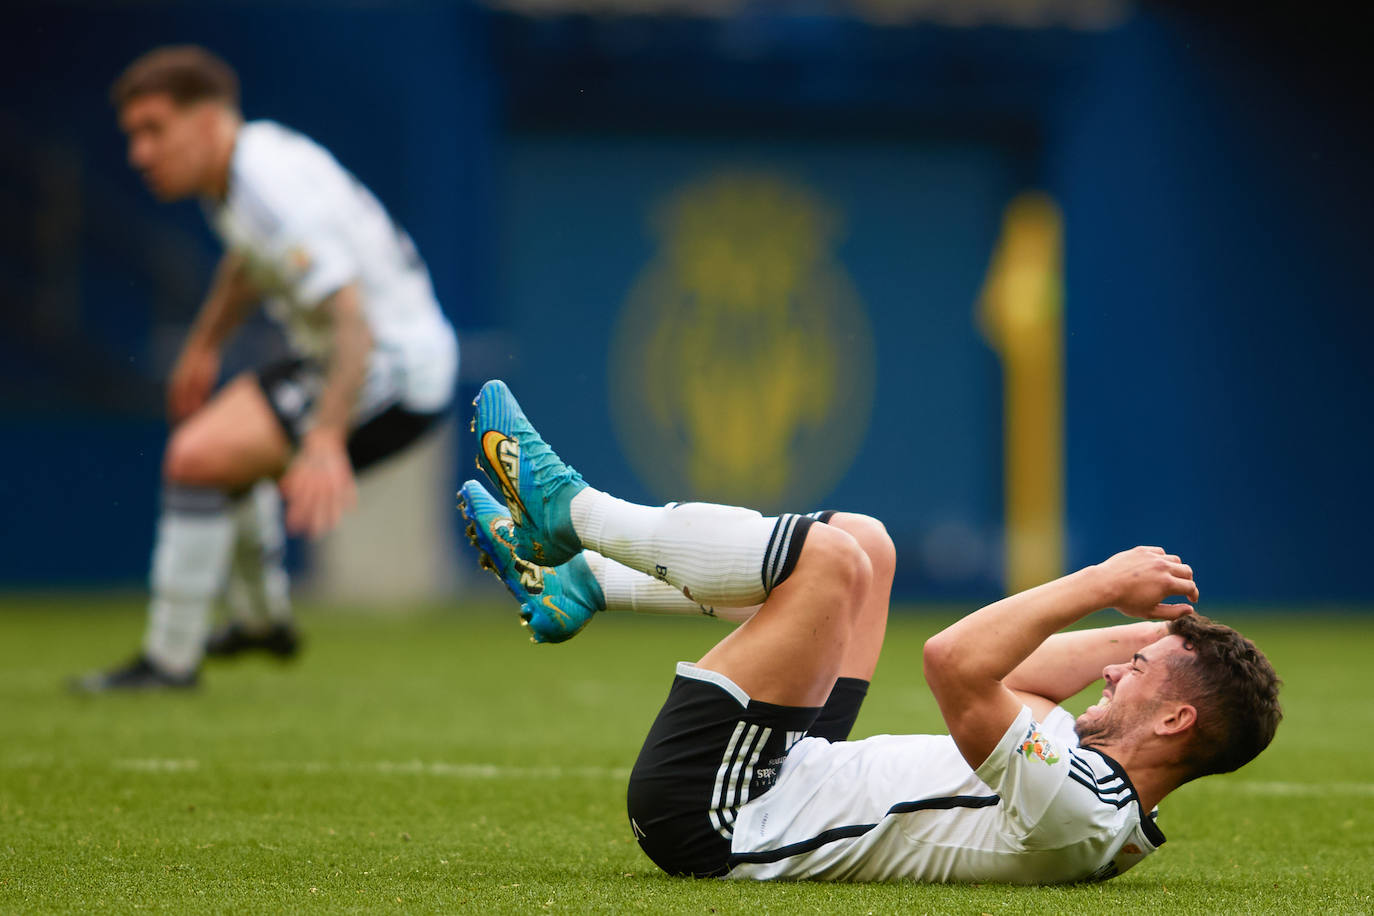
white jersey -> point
(1040, 810)
(306, 228)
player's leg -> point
(590, 583)
(841, 708)
(258, 585)
(635, 592)
(729, 720)
(557, 602)
(227, 445)
(811, 579)
(258, 593)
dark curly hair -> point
(187, 73)
(1234, 690)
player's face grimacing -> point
(1133, 694)
(170, 145)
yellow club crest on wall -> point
(742, 366)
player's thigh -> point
(231, 442)
(789, 653)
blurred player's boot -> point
(235, 638)
(139, 674)
(555, 603)
(537, 486)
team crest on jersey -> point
(742, 366)
(298, 261)
(1036, 746)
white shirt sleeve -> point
(1027, 769)
(314, 261)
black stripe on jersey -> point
(1081, 767)
(1092, 787)
(944, 804)
(1089, 773)
(1147, 824)
(854, 830)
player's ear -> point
(1175, 719)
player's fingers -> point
(318, 507)
(324, 510)
(334, 509)
(299, 502)
(319, 514)
(1172, 611)
(1151, 549)
(1185, 587)
(1182, 570)
(319, 518)
(295, 516)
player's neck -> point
(1153, 777)
(226, 128)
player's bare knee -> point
(838, 561)
(872, 537)
(189, 461)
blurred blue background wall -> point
(615, 209)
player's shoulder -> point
(1096, 780)
(276, 173)
(1100, 788)
(266, 144)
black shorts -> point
(291, 387)
(710, 750)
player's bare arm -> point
(1066, 663)
(318, 484)
(232, 297)
(967, 663)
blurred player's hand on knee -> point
(191, 380)
(318, 485)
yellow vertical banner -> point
(1021, 314)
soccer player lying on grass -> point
(746, 773)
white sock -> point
(720, 556)
(628, 589)
(259, 589)
(195, 537)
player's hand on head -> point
(1140, 581)
(191, 381)
(318, 485)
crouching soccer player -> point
(746, 772)
(373, 366)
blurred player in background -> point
(374, 366)
(747, 773)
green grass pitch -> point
(435, 761)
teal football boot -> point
(555, 603)
(537, 486)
